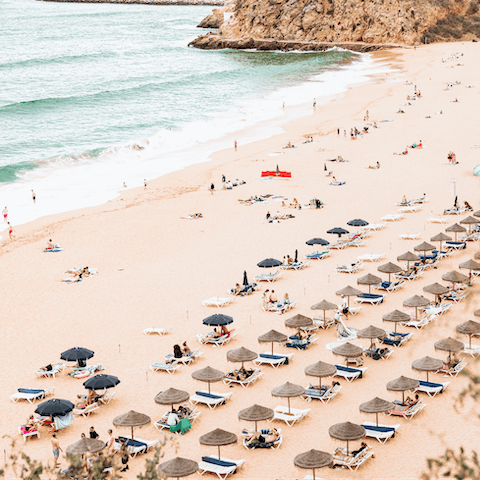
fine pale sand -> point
(170, 265)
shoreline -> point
(214, 3)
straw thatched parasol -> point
(241, 354)
(427, 364)
(416, 301)
(369, 280)
(320, 370)
(454, 277)
(256, 413)
(371, 332)
(455, 228)
(349, 292)
(272, 337)
(209, 375)
(178, 467)
(441, 237)
(477, 313)
(84, 446)
(469, 328)
(389, 268)
(401, 384)
(348, 350)
(424, 247)
(476, 214)
(477, 256)
(131, 419)
(347, 431)
(469, 221)
(436, 289)
(324, 305)
(218, 438)
(313, 459)
(396, 317)
(449, 345)
(470, 265)
(171, 397)
(288, 390)
(376, 405)
(298, 321)
(408, 257)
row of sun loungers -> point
(279, 308)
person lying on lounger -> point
(410, 402)
(237, 289)
(324, 387)
(264, 438)
(80, 403)
(47, 368)
(240, 374)
(30, 424)
(341, 454)
(183, 411)
(374, 167)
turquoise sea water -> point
(82, 84)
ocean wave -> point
(11, 172)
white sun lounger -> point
(418, 324)
(473, 350)
(85, 412)
(212, 399)
(353, 268)
(56, 368)
(431, 388)
(160, 331)
(320, 322)
(380, 432)
(438, 309)
(106, 398)
(29, 434)
(218, 301)
(409, 412)
(398, 341)
(453, 372)
(274, 360)
(355, 243)
(273, 307)
(31, 394)
(371, 298)
(324, 396)
(392, 217)
(410, 236)
(165, 367)
(410, 209)
(338, 245)
(210, 464)
(411, 277)
(133, 451)
(437, 220)
(390, 286)
(455, 296)
(247, 382)
(296, 266)
(295, 415)
(317, 255)
(373, 226)
(216, 342)
(269, 277)
(276, 444)
(349, 461)
(350, 373)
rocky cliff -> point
(147, 2)
(405, 22)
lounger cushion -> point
(31, 390)
(315, 393)
(274, 357)
(215, 461)
(431, 384)
(380, 429)
(389, 341)
(209, 395)
(350, 370)
(133, 443)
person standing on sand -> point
(145, 183)
(111, 443)
(10, 231)
(314, 102)
(56, 450)
(212, 188)
(5, 215)
(34, 197)
(338, 131)
(235, 145)
(124, 185)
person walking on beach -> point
(338, 131)
(124, 185)
(10, 231)
(34, 197)
(212, 188)
(111, 443)
(314, 102)
(5, 215)
(93, 434)
(56, 450)
(145, 183)
(235, 145)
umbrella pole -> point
(395, 328)
(272, 348)
(132, 432)
(219, 452)
(208, 387)
(313, 473)
(470, 341)
(389, 275)
(347, 447)
(376, 414)
(416, 314)
(288, 399)
(324, 321)
(403, 397)
(369, 289)
(427, 376)
(320, 383)
(371, 347)
(255, 426)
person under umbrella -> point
(209, 375)
(56, 413)
(77, 354)
(288, 390)
(347, 432)
(325, 305)
(471, 329)
(372, 333)
(451, 346)
(402, 384)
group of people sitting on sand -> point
(179, 352)
(243, 289)
(309, 140)
(289, 145)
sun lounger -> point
(249, 445)
(410, 236)
(431, 388)
(381, 432)
(420, 323)
(317, 255)
(85, 412)
(280, 309)
(453, 372)
(454, 211)
(410, 209)
(135, 446)
(377, 355)
(473, 350)
(295, 266)
(419, 200)
(436, 220)
(257, 373)
(406, 411)
(27, 433)
(165, 367)
(371, 298)
(455, 296)
(274, 360)
(300, 344)
(220, 467)
(353, 268)
(437, 309)
(320, 322)
(218, 301)
(410, 276)
(396, 340)
(162, 424)
(456, 245)
(350, 373)
(212, 399)
(340, 458)
(106, 398)
(390, 286)
(269, 277)
(338, 245)
(31, 394)
(295, 415)
(160, 331)
(56, 368)
(373, 226)
(186, 359)
(445, 254)
(392, 217)
(355, 243)
(324, 395)
(216, 342)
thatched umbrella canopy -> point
(389, 268)
(241, 354)
(272, 337)
(288, 390)
(256, 413)
(131, 419)
(298, 321)
(455, 228)
(401, 384)
(441, 237)
(172, 396)
(376, 405)
(324, 305)
(436, 289)
(313, 459)
(347, 431)
(469, 328)
(371, 332)
(454, 277)
(320, 370)
(369, 280)
(408, 257)
(477, 313)
(424, 247)
(348, 350)
(396, 317)
(178, 467)
(209, 375)
(218, 438)
(349, 292)
(84, 446)
(476, 214)
(427, 364)
(470, 265)
(477, 256)
(416, 301)
(469, 221)
(449, 345)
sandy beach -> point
(155, 269)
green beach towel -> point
(183, 425)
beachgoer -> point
(5, 215)
(314, 103)
(334, 180)
(93, 434)
(111, 443)
(80, 403)
(56, 450)
(268, 216)
(186, 349)
(223, 178)
(212, 188)
(360, 450)
(83, 435)
(144, 183)
(124, 457)
(235, 145)
(10, 231)
(265, 296)
(338, 131)
(30, 424)
(173, 418)
(124, 185)
(286, 299)
(237, 289)
(273, 297)
(34, 197)
(50, 245)
(404, 199)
